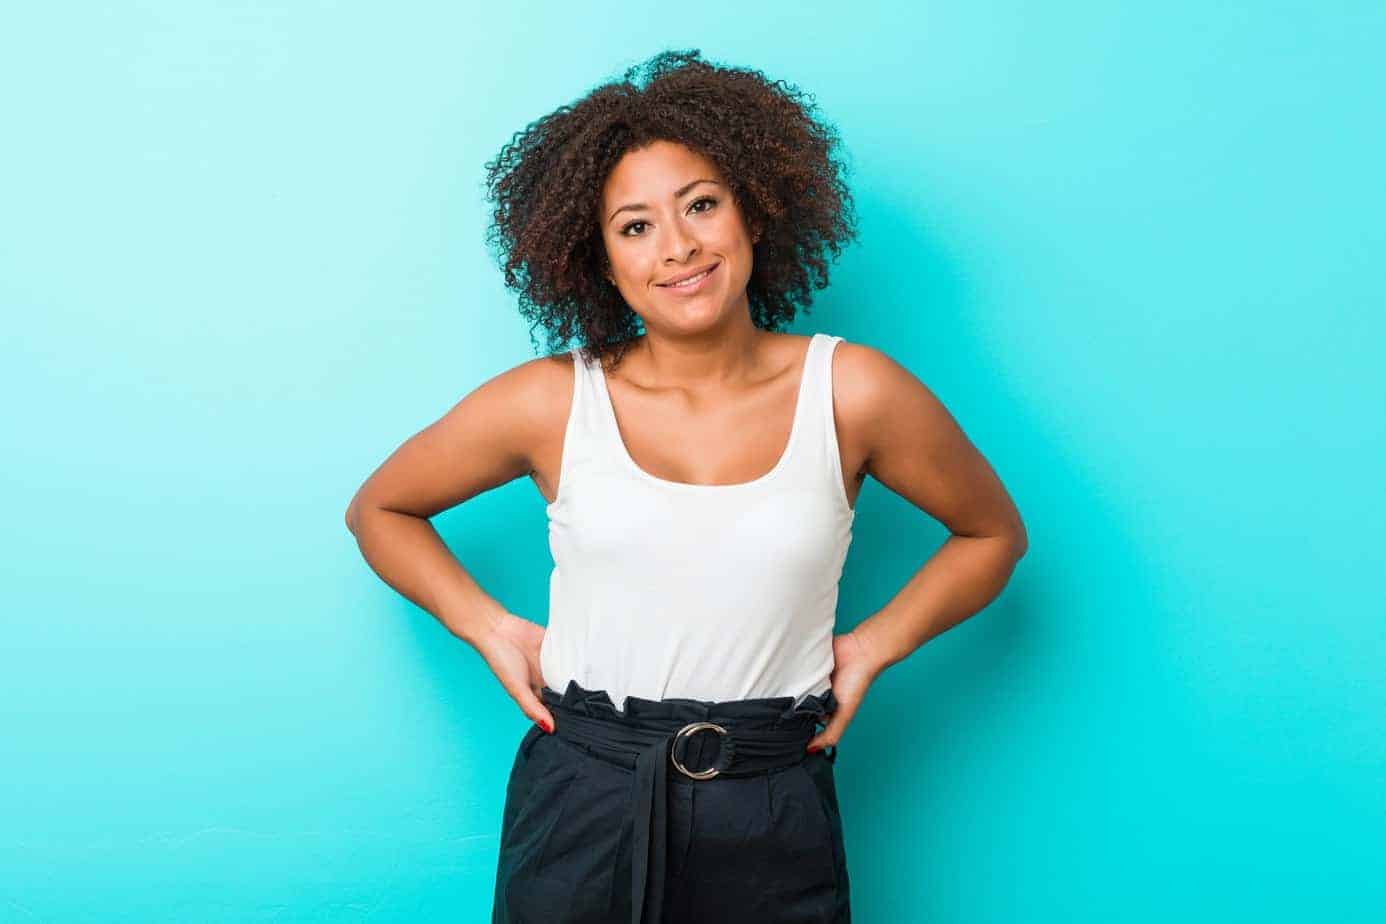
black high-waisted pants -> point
(584, 839)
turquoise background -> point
(1135, 248)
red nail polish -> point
(814, 747)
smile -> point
(691, 284)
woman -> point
(701, 471)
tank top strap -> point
(585, 438)
(817, 459)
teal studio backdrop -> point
(1136, 249)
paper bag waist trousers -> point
(677, 811)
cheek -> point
(741, 243)
(628, 266)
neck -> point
(715, 360)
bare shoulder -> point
(526, 398)
(543, 387)
(870, 388)
(897, 417)
(913, 445)
(527, 408)
(491, 436)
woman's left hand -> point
(855, 668)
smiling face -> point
(667, 213)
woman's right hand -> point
(510, 647)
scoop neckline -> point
(794, 427)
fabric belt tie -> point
(655, 745)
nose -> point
(681, 245)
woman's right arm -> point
(487, 439)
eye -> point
(625, 229)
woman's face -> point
(666, 212)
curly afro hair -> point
(780, 161)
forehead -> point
(655, 172)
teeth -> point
(687, 282)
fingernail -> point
(814, 747)
(547, 726)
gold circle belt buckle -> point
(686, 731)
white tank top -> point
(711, 592)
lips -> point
(688, 275)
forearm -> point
(409, 555)
(962, 577)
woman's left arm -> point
(916, 449)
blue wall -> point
(1135, 248)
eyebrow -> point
(640, 205)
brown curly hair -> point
(780, 160)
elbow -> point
(1011, 536)
(1020, 541)
(353, 514)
